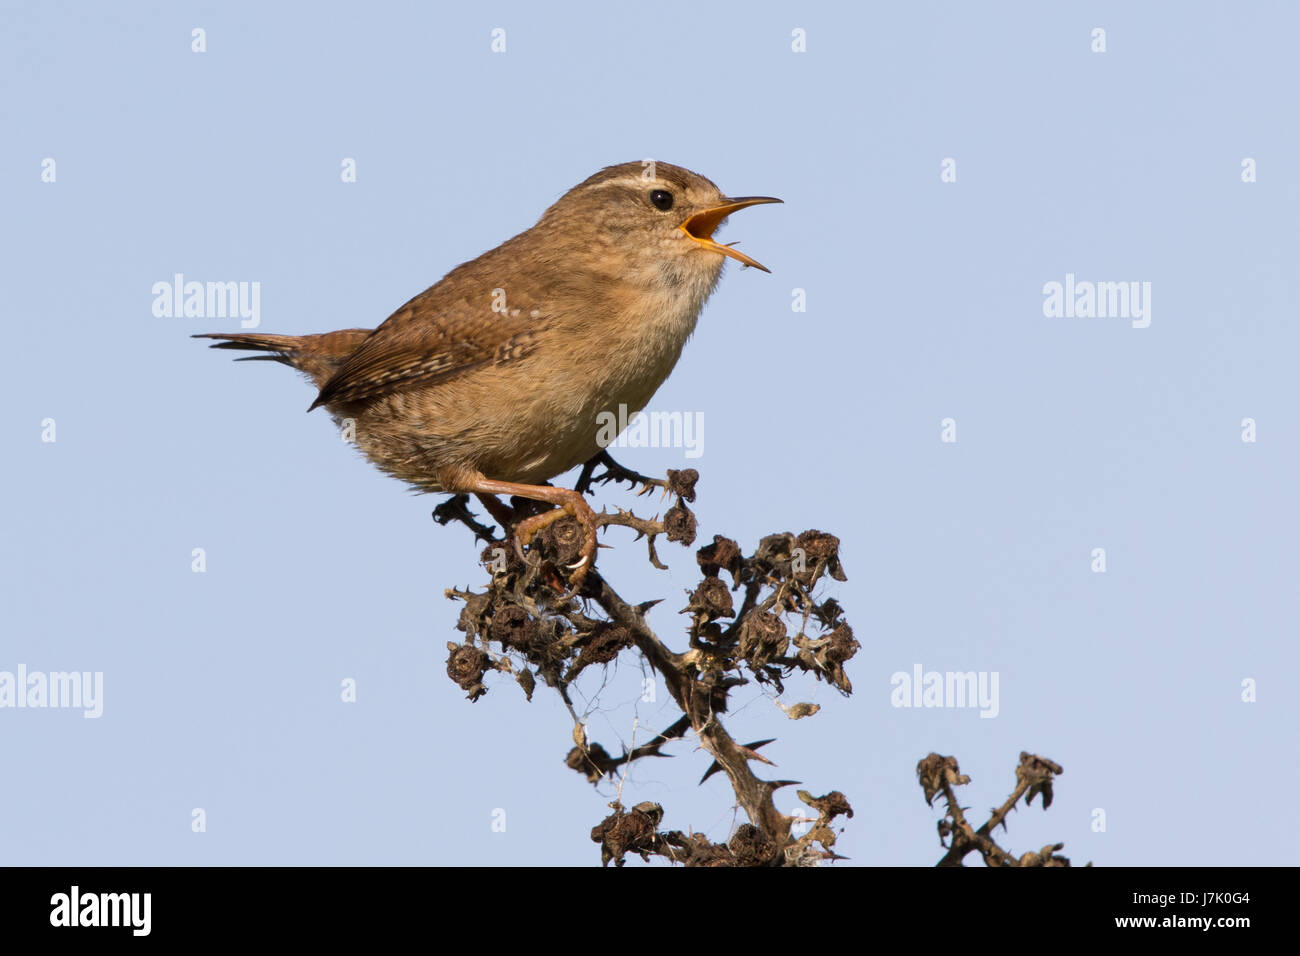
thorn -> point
(713, 768)
(751, 754)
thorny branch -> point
(1034, 776)
(526, 625)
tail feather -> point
(316, 355)
(264, 358)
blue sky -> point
(925, 302)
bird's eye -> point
(662, 199)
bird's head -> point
(652, 215)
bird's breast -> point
(614, 365)
(642, 341)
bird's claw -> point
(577, 507)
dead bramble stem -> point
(525, 624)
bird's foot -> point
(456, 508)
(572, 503)
(613, 472)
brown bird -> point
(491, 381)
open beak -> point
(700, 227)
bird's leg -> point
(613, 472)
(566, 500)
(500, 513)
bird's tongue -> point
(700, 227)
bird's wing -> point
(426, 341)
